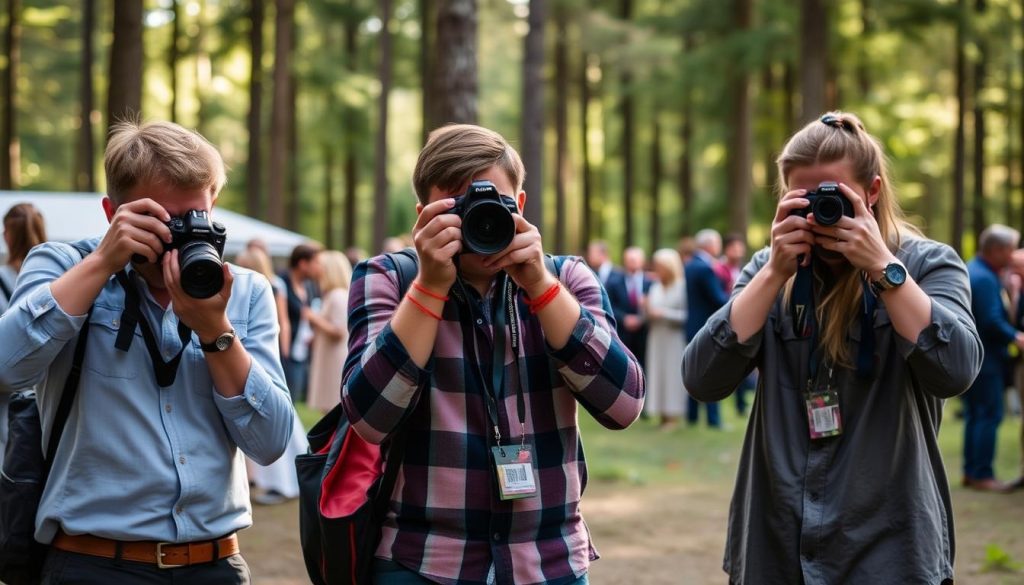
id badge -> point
(823, 414)
(515, 465)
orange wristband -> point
(423, 309)
(429, 292)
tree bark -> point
(173, 56)
(124, 97)
(532, 121)
(277, 167)
(686, 139)
(428, 21)
(813, 59)
(10, 164)
(562, 170)
(656, 177)
(330, 227)
(85, 153)
(959, 142)
(455, 80)
(381, 215)
(739, 181)
(626, 111)
(203, 69)
(293, 199)
(980, 71)
(864, 64)
(254, 121)
(586, 226)
(350, 164)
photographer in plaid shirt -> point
(493, 471)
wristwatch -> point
(893, 275)
(223, 341)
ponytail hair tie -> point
(838, 122)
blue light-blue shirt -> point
(137, 461)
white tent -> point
(74, 216)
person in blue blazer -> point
(627, 290)
(983, 401)
(705, 294)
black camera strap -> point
(131, 317)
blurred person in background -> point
(627, 298)
(1015, 286)
(600, 261)
(330, 332)
(24, 229)
(734, 256)
(300, 285)
(255, 258)
(665, 313)
(705, 294)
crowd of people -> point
(854, 330)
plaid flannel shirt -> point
(446, 521)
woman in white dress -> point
(665, 312)
(330, 333)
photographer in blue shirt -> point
(149, 476)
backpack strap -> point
(5, 287)
(407, 266)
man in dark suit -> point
(705, 294)
(627, 290)
(983, 401)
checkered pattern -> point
(446, 521)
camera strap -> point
(131, 317)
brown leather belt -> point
(165, 555)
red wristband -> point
(543, 300)
(423, 309)
(429, 292)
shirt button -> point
(586, 363)
(115, 323)
(179, 509)
(479, 321)
(181, 460)
(168, 408)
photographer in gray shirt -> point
(860, 327)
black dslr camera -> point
(487, 224)
(200, 245)
(828, 204)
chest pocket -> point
(102, 357)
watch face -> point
(895, 274)
(224, 341)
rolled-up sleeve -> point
(35, 326)
(946, 356)
(715, 362)
(603, 375)
(260, 419)
(380, 382)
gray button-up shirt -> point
(140, 462)
(871, 505)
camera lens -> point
(487, 227)
(828, 209)
(201, 272)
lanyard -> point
(165, 372)
(506, 310)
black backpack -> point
(26, 469)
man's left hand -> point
(858, 238)
(523, 259)
(206, 317)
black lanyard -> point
(505, 315)
(165, 372)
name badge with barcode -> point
(823, 414)
(515, 468)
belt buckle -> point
(160, 556)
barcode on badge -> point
(825, 419)
(518, 477)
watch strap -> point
(214, 346)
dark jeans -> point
(67, 568)
(692, 412)
(296, 375)
(391, 573)
(983, 411)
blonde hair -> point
(24, 228)
(337, 271)
(256, 259)
(670, 260)
(454, 154)
(840, 136)
(160, 152)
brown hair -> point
(840, 136)
(455, 153)
(160, 152)
(24, 229)
(304, 252)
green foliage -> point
(998, 560)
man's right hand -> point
(438, 238)
(137, 227)
(792, 237)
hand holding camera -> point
(854, 233)
(792, 238)
(137, 228)
(437, 236)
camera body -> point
(487, 223)
(827, 203)
(200, 244)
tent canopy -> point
(75, 216)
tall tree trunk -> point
(173, 56)
(85, 154)
(1021, 129)
(626, 14)
(980, 72)
(293, 201)
(351, 166)
(1009, 185)
(428, 21)
(586, 231)
(10, 164)
(739, 158)
(330, 226)
(562, 169)
(960, 142)
(124, 97)
(203, 69)
(254, 121)
(277, 167)
(789, 97)
(381, 215)
(864, 63)
(686, 139)
(455, 76)
(657, 173)
(532, 122)
(769, 139)
(813, 58)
